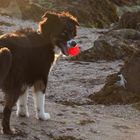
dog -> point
(26, 57)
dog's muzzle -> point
(64, 46)
(74, 48)
(70, 48)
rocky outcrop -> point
(122, 87)
(22, 9)
(93, 13)
(124, 2)
(130, 20)
(116, 44)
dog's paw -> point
(44, 116)
(22, 113)
(9, 131)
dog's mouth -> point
(66, 45)
(64, 48)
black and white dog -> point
(25, 60)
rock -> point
(3, 23)
(4, 3)
(116, 44)
(33, 11)
(124, 6)
(122, 87)
(124, 2)
(1, 32)
(130, 20)
(92, 13)
(66, 138)
(131, 72)
(24, 9)
(96, 13)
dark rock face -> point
(122, 87)
(92, 13)
(21, 9)
(4, 3)
(130, 20)
(124, 2)
(1, 32)
(131, 72)
(116, 44)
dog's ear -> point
(76, 22)
(71, 18)
(50, 15)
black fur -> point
(5, 63)
(30, 55)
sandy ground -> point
(73, 117)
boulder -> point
(23, 9)
(122, 87)
(92, 13)
(130, 20)
(124, 2)
(4, 3)
(116, 44)
(1, 32)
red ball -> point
(74, 50)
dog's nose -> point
(71, 43)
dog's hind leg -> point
(5, 63)
(10, 100)
(22, 109)
(39, 100)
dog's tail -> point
(5, 63)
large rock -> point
(93, 13)
(122, 87)
(131, 72)
(23, 9)
(124, 6)
(124, 2)
(4, 3)
(130, 20)
(116, 44)
(1, 32)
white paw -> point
(44, 116)
(22, 112)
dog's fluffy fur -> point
(25, 60)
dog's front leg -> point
(39, 101)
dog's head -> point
(59, 28)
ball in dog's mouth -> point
(73, 48)
(70, 48)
